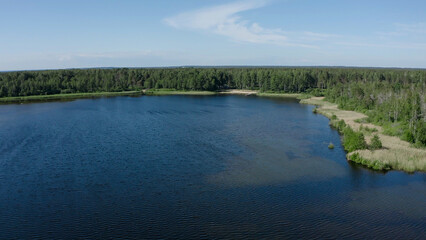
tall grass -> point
(392, 153)
(374, 164)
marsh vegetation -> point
(366, 143)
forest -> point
(392, 98)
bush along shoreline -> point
(355, 140)
(367, 143)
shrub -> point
(334, 117)
(341, 125)
(65, 91)
(421, 135)
(408, 136)
(361, 120)
(316, 92)
(367, 129)
(353, 140)
(375, 143)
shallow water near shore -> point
(192, 167)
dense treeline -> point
(399, 106)
(393, 98)
(92, 80)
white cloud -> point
(212, 17)
(313, 36)
(225, 20)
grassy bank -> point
(149, 92)
(393, 154)
(68, 96)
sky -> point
(52, 34)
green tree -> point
(375, 143)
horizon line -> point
(216, 66)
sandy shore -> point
(399, 154)
(239, 92)
(181, 92)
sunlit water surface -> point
(192, 167)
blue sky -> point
(49, 34)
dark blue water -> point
(192, 167)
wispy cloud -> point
(417, 28)
(226, 20)
(107, 55)
(402, 36)
(147, 58)
(392, 45)
(403, 29)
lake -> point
(192, 167)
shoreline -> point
(161, 92)
(165, 92)
(395, 153)
(149, 92)
(243, 92)
(65, 97)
